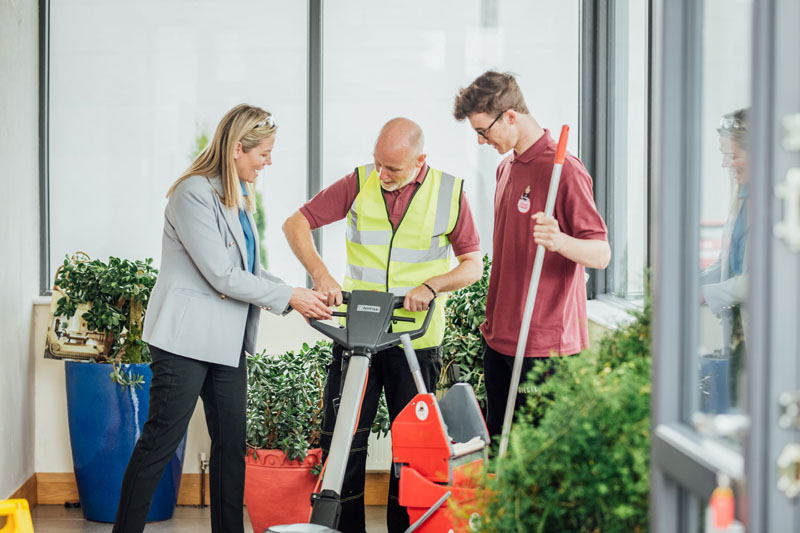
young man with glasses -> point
(575, 238)
(403, 218)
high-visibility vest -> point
(382, 258)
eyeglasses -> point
(732, 123)
(269, 122)
(483, 133)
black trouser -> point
(177, 382)
(389, 371)
(497, 370)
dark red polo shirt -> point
(559, 325)
(333, 203)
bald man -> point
(421, 216)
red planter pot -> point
(278, 491)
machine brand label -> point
(422, 410)
(369, 308)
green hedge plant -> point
(284, 399)
(585, 467)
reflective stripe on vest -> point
(384, 259)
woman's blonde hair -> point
(246, 124)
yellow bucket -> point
(17, 515)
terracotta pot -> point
(278, 491)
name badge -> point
(524, 202)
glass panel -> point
(627, 213)
(132, 87)
(723, 185)
(384, 60)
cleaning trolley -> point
(439, 447)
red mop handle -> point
(562, 145)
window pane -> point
(627, 164)
(133, 85)
(384, 60)
(723, 188)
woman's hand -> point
(310, 303)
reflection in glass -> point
(724, 185)
(723, 285)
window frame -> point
(45, 278)
(596, 141)
(595, 106)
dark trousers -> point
(389, 372)
(177, 382)
(497, 370)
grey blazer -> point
(205, 303)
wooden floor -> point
(58, 519)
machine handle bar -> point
(385, 339)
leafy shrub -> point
(462, 359)
(586, 466)
(284, 399)
(118, 292)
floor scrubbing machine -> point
(439, 447)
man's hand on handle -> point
(418, 299)
(326, 285)
(310, 303)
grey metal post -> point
(413, 363)
(349, 408)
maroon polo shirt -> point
(333, 203)
(559, 325)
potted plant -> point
(97, 315)
(284, 418)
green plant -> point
(585, 467)
(381, 425)
(200, 142)
(118, 293)
(462, 360)
(284, 399)
(260, 218)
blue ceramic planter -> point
(105, 421)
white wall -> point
(19, 236)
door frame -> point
(684, 464)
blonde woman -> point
(203, 317)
